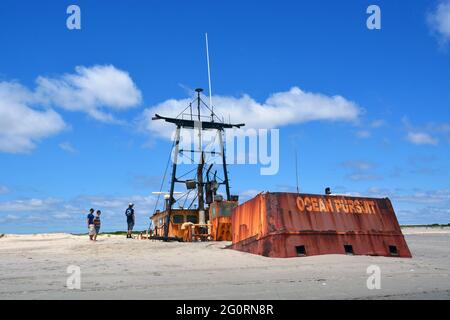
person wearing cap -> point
(130, 220)
(90, 223)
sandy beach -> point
(35, 267)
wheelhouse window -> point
(192, 218)
(178, 219)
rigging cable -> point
(164, 177)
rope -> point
(182, 176)
(164, 177)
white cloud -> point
(70, 214)
(439, 20)
(420, 138)
(76, 205)
(91, 90)
(280, 109)
(363, 134)
(378, 123)
(424, 215)
(248, 194)
(416, 196)
(21, 125)
(360, 170)
(11, 217)
(28, 205)
(62, 216)
(366, 132)
(119, 204)
(3, 190)
(363, 177)
(444, 127)
(427, 134)
(66, 146)
(439, 196)
(358, 165)
(415, 206)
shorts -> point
(97, 229)
(130, 225)
(91, 230)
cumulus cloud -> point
(21, 125)
(280, 109)
(28, 116)
(421, 138)
(427, 134)
(91, 90)
(439, 20)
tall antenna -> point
(209, 78)
(296, 170)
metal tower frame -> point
(201, 125)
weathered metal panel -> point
(220, 218)
(221, 229)
(175, 231)
(278, 224)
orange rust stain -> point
(274, 224)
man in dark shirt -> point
(90, 223)
(130, 220)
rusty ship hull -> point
(284, 225)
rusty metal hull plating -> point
(289, 225)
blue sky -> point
(75, 135)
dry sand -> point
(35, 267)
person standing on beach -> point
(97, 224)
(130, 220)
(151, 228)
(90, 223)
